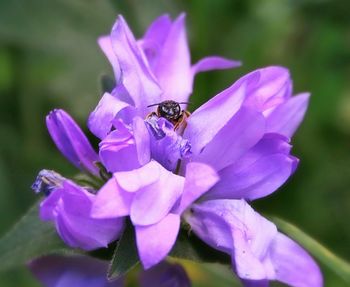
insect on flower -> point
(171, 111)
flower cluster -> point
(160, 166)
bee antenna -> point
(153, 105)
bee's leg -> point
(151, 115)
(181, 124)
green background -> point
(49, 59)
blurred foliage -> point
(49, 58)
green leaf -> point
(324, 255)
(192, 248)
(28, 239)
(125, 256)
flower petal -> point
(199, 179)
(173, 70)
(137, 79)
(272, 87)
(254, 181)
(71, 215)
(293, 265)
(111, 201)
(240, 133)
(142, 140)
(214, 63)
(210, 118)
(154, 38)
(71, 141)
(77, 271)
(286, 118)
(165, 275)
(153, 202)
(137, 179)
(105, 44)
(154, 242)
(100, 120)
(118, 150)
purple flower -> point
(165, 275)
(148, 71)
(243, 134)
(154, 198)
(83, 271)
(259, 252)
(126, 147)
(71, 141)
(69, 205)
(69, 271)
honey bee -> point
(172, 111)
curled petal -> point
(70, 209)
(111, 201)
(199, 178)
(101, 119)
(293, 265)
(286, 118)
(152, 202)
(210, 118)
(239, 134)
(214, 63)
(71, 141)
(137, 78)
(105, 44)
(254, 181)
(272, 86)
(154, 242)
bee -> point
(172, 111)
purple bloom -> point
(259, 252)
(71, 141)
(68, 205)
(148, 71)
(165, 275)
(69, 271)
(126, 148)
(154, 198)
(83, 271)
(237, 134)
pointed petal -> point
(293, 265)
(152, 202)
(199, 179)
(240, 133)
(257, 180)
(173, 69)
(214, 63)
(105, 44)
(210, 118)
(71, 141)
(272, 87)
(111, 201)
(137, 79)
(154, 38)
(286, 118)
(100, 120)
(154, 242)
(73, 221)
(118, 150)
